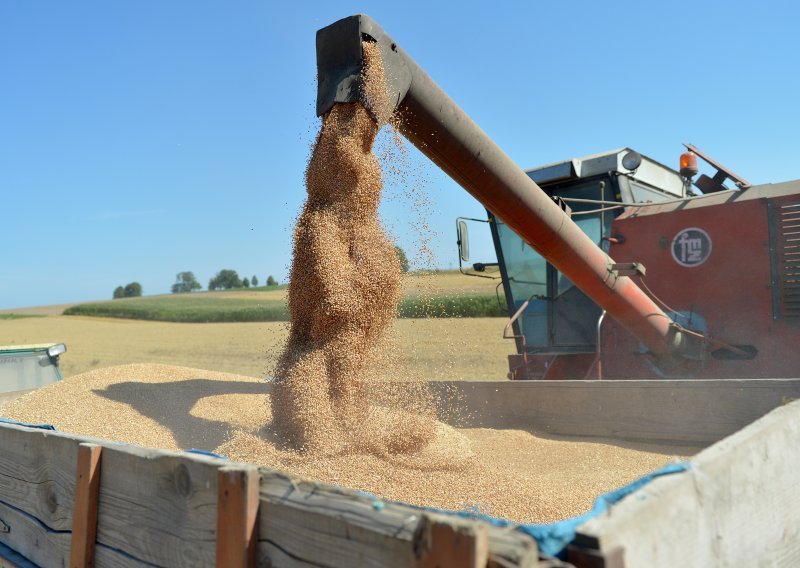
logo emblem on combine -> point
(691, 247)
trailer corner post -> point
(449, 544)
(84, 513)
(237, 515)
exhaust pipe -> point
(436, 125)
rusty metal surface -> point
(739, 287)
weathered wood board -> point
(738, 505)
(160, 508)
(691, 412)
(314, 524)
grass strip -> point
(199, 309)
(452, 306)
(208, 310)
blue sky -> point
(141, 139)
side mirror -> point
(463, 240)
(54, 351)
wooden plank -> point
(305, 523)
(110, 558)
(158, 506)
(84, 517)
(37, 474)
(37, 485)
(33, 540)
(451, 544)
(11, 559)
(695, 413)
(739, 504)
(37, 488)
(237, 512)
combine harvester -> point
(705, 353)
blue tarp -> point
(15, 558)
(553, 538)
(40, 426)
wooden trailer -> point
(68, 499)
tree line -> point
(128, 291)
(226, 279)
(186, 282)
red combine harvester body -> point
(728, 262)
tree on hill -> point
(254, 280)
(225, 280)
(271, 281)
(119, 292)
(245, 282)
(133, 290)
(401, 256)
(185, 282)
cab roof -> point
(650, 171)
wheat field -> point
(434, 349)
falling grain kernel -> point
(343, 295)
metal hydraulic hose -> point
(441, 130)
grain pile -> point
(343, 295)
(514, 474)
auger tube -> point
(441, 130)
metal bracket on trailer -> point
(584, 552)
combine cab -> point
(557, 331)
(723, 266)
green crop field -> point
(433, 295)
(186, 308)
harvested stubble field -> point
(508, 473)
(433, 349)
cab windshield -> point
(559, 318)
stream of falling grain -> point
(343, 296)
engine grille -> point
(787, 257)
